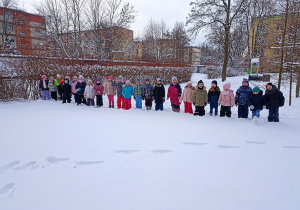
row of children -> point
(198, 96)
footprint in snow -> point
(291, 147)
(228, 147)
(255, 142)
(55, 160)
(6, 188)
(10, 165)
(126, 151)
(161, 151)
(27, 165)
(194, 144)
(83, 163)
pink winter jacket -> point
(187, 95)
(227, 98)
(109, 89)
(98, 89)
(73, 87)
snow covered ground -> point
(55, 156)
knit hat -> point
(159, 79)
(147, 80)
(127, 82)
(270, 83)
(120, 78)
(174, 78)
(67, 77)
(81, 77)
(189, 83)
(44, 75)
(214, 82)
(138, 80)
(75, 77)
(58, 76)
(227, 86)
(98, 80)
(109, 77)
(51, 77)
(256, 90)
(246, 81)
(200, 82)
(89, 81)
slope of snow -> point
(56, 156)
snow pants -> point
(99, 100)
(148, 103)
(90, 102)
(243, 111)
(54, 95)
(225, 110)
(199, 111)
(212, 107)
(138, 101)
(46, 95)
(111, 100)
(159, 107)
(256, 113)
(120, 102)
(188, 107)
(127, 103)
(273, 114)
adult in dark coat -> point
(66, 91)
(159, 95)
(274, 100)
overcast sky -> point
(168, 10)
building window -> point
(22, 33)
(8, 16)
(23, 45)
(259, 52)
(260, 41)
(8, 29)
(278, 39)
(129, 34)
(21, 22)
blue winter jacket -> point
(127, 91)
(242, 96)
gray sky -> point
(168, 10)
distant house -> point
(21, 30)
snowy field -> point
(59, 157)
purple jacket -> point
(42, 86)
(98, 89)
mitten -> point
(79, 89)
(84, 97)
(251, 107)
(163, 99)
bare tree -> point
(209, 13)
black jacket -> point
(274, 98)
(159, 93)
(81, 86)
(258, 101)
(214, 94)
(66, 90)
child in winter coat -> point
(73, 85)
(187, 97)
(257, 102)
(213, 97)
(52, 88)
(274, 100)
(200, 99)
(226, 100)
(127, 93)
(110, 91)
(44, 87)
(174, 93)
(89, 93)
(66, 91)
(59, 83)
(147, 94)
(242, 99)
(80, 88)
(119, 86)
(159, 95)
(98, 91)
(138, 93)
